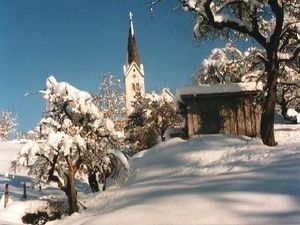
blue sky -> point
(79, 40)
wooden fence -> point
(6, 194)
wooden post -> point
(257, 118)
(5, 195)
(24, 191)
(196, 122)
(190, 124)
(225, 118)
(248, 120)
(240, 120)
(253, 120)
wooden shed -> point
(222, 108)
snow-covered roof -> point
(167, 91)
(218, 89)
(167, 95)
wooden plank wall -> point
(239, 116)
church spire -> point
(134, 77)
(132, 53)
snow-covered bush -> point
(7, 124)
(152, 115)
(77, 141)
(45, 209)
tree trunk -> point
(93, 182)
(71, 194)
(104, 182)
(6, 195)
(284, 109)
(162, 134)
(268, 110)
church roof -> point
(132, 52)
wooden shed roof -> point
(218, 89)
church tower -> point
(133, 70)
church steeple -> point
(132, 52)
(134, 76)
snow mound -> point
(204, 155)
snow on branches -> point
(229, 64)
(275, 27)
(7, 124)
(78, 141)
(151, 117)
(268, 22)
(111, 100)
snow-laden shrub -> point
(43, 210)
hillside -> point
(211, 179)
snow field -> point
(210, 179)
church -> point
(134, 74)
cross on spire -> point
(131, 23)
(131, 15)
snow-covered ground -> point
(210, 179)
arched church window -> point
(137, 86)
(133, 87)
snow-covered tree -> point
(7, 124)
(229, 64)
(274, 26)
(151, 117)
(163, 116)
(138, 138)
(28, 135)
(288, 93)
(110, 99)
(78, 142)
